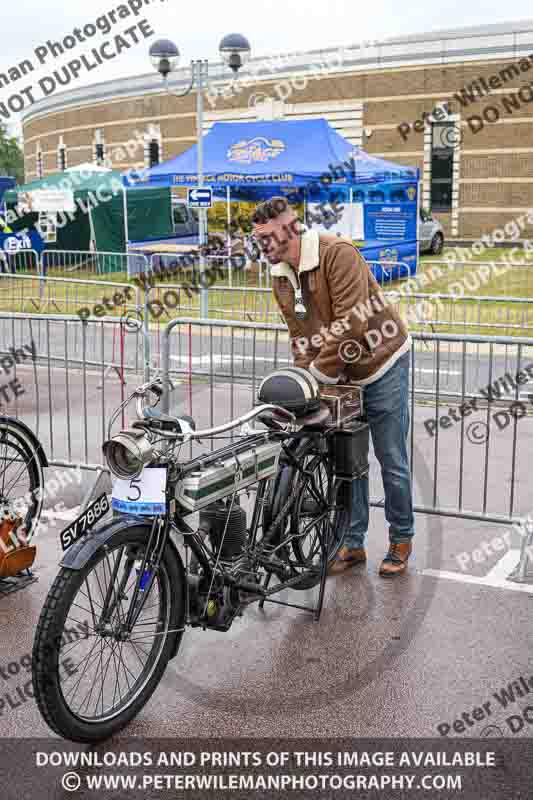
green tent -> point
(99, 212)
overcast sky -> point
(271, 27)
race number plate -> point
(144, 495)
(94, 512)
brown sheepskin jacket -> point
(340, 324)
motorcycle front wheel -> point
(90, 676)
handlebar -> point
(234, 423)
(156, 387)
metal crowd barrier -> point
(218, 366)
(388, 271)
(88, 263)
(448, 313)
(19, 261)
(73, 374)
(223, 267)
(249, 303)
(471, 401)
(499, 314)
(84, 298)
(510, 276)
(66, 295)
(65, 263)
(423, 312)
(185, 266)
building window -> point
(48, 227)
(62, 158)
(100, 154)
(99, 148)
(39, 160)
(441, 166)
(153, 153)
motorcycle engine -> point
(225, 527)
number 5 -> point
(134, 499)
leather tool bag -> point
(15, 554)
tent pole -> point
(351, 213)
(92, 232)
(228, 211)
(417, 224)
(126, 228)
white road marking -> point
(226, 357)
(504, 566)
(495, 579)
(441, 371)
(219, 358)
(68, 515)
(511, 396)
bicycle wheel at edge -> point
(21, 474)
(57, 668)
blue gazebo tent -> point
(258, 157)
(308, 161)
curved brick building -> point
(457, 103)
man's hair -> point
(269, 209)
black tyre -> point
(21, 475)
(88, 682)
(319, 519)
(437, 243)
(306, 526)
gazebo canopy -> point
(258, 159)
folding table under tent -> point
(309, 162)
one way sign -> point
(200, 197)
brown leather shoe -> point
(347, 557)
(395, 562)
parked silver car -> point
(431, 233)
(185, 219)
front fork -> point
(146, 575)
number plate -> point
(142, 495)
(85, 521)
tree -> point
(11, 156)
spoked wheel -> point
(93, 673)
(317, 517)
(21, 476)
(318, 521)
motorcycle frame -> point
(173, 519)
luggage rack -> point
(345, 404)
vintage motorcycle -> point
(134, 584)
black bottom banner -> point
(471, 769)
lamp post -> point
(235, 51)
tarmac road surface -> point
(406, 657)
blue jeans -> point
(387, 409)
